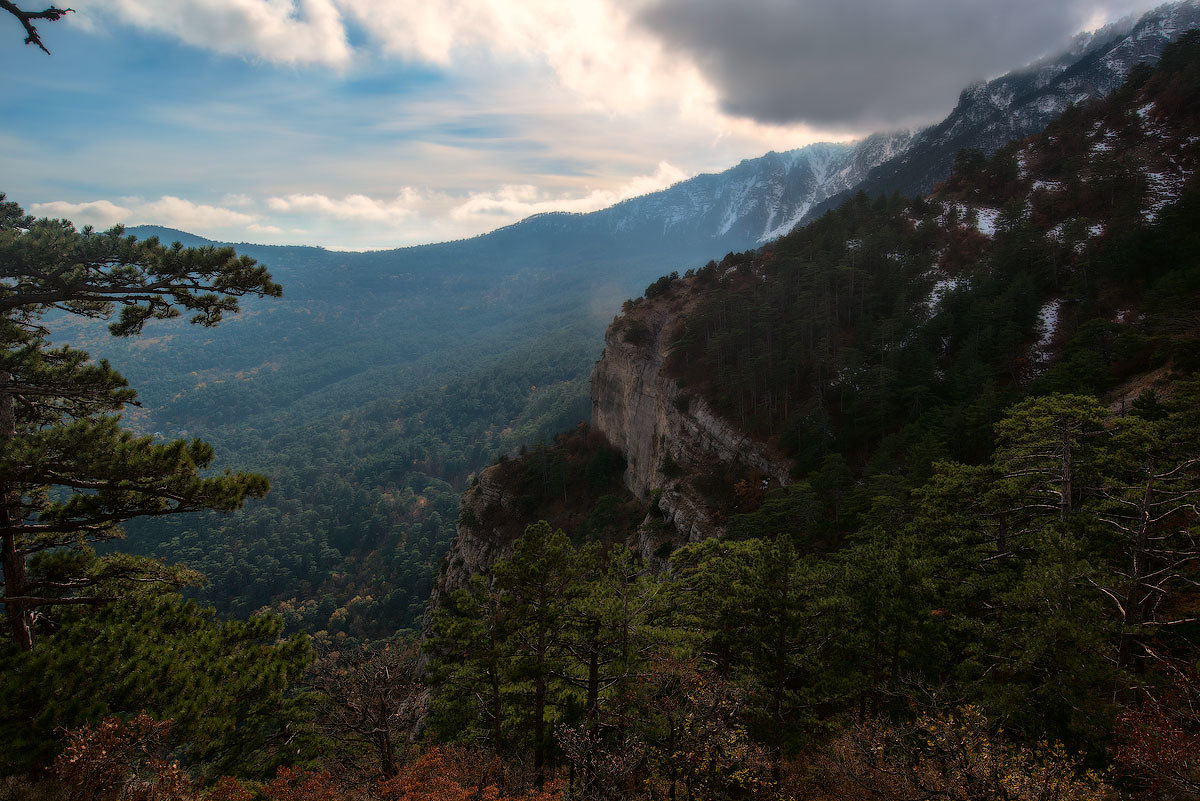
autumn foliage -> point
(1158, 742)
(121, 761)
(952, 756)
(455, 774)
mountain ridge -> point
(762, 198)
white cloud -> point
(179, 213)
(350, 207)
(599, 50)
(591, 46)
(288, 31)
(539, 105)
(354, 221)
(98, 213)
(515, 202)
(169, 211)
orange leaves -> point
(121, 760)
(291, 784)
(454, 774)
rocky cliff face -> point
(671, 441)
(668, 436)
(476, 545)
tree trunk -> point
(387, 749)
(19, 616)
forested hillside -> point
(981, 582)
(383, 380)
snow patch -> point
(1162, 190)
(1047, 326)
(1023, 163)
(1047, 186)
(985, 221)
(941, 288)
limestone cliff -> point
(670, 438)
(644, 473)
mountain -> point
(892, 333)
(796, 385)
(931, 457)
(753, 202)
(850, 355)
(381, 381)
(693, 220)
(991, 114)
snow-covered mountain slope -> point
(1023, 102)
(761, 199)
(757, 200)
(711, 214)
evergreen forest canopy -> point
(981, 584)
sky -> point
(368, 124)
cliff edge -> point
(671, 439)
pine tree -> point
(538, 584)
(69, 474)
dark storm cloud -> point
(853, 63)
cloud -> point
(169, 211)
(356, 220)
(288, 31)
(755, 69)
(350, 207)
(484, 111)
(860, 63)
(516, 202)
(592, 47)
(101, 214)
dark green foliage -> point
(575, 483)
(69, 474)
(661, 286)
(960, 533)
(226, 685)
(381, 375)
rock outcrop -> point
(574, 483)
(668, 435)
(476, 546)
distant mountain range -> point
(763, 198)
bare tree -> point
(373, 700)
(27, 18)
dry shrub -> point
(120, 760)
(456, 774)
(1158, 742)
(951, 756)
